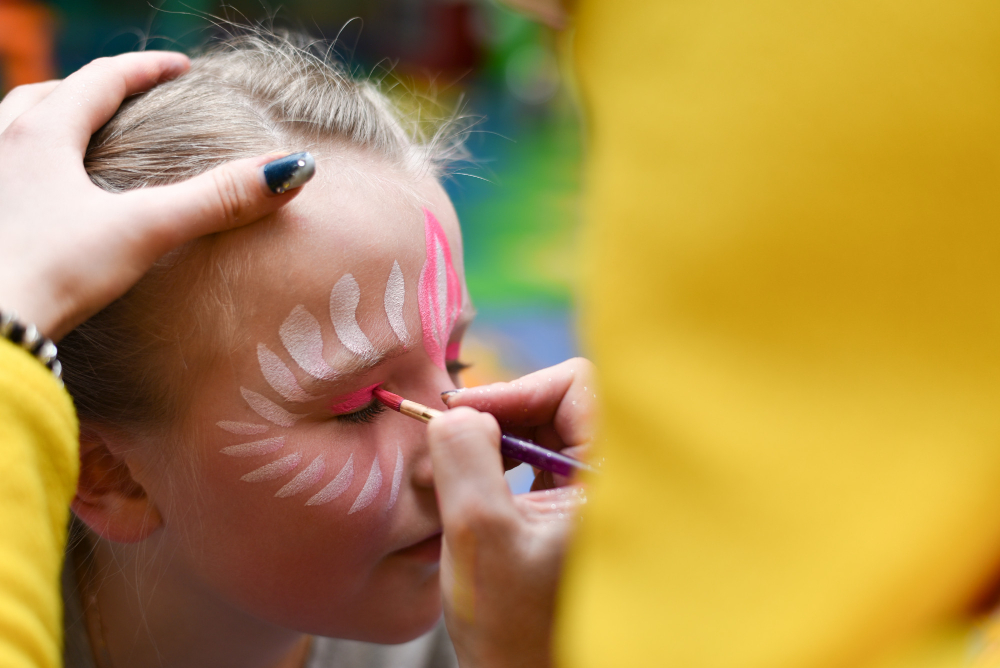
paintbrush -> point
(510, 446)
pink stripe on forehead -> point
(439, 291)
(353, 401)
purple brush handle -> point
(539, 457)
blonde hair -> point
(254, 92)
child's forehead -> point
(340, 225)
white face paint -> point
(395, 295)
(303, 339)
(269, 410)
(254, 448)
(370, 490)
(280, 377)
(308, 477)
(397, 478)
(336, 487)
(275, 469)
(344, 300)
(242, 428)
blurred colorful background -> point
(517, 200)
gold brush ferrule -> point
(419, 411)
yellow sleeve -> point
(792, 293)
(39, 465)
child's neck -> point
(153, 613)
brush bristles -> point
(393, 401)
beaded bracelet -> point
(29, 338)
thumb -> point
(468, 472)
(231, 195)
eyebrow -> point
(351, 365)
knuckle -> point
(22, 131)
(231, 197)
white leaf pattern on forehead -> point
(370, 490)
(344, 300)
(280, 377)
(303, 339)
(275, 469)
(242, 428)
(335, 487)
(397, 478)
(308, 477)
(269, 410)
(255, 448)
(395, 295)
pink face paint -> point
(439, 292)
(255, 448)
(397, 478)
(353, 401)
(275, 469)
(335, 487)
(453, 351)
(308, 477)
(370, 490)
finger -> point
(562, 395)
(86, 99)
(23, 98)
(228, 196)
(552, 505)
(468, 476)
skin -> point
(86, 247)
(280, 564)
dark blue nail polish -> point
(289, 172)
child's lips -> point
(429, 549)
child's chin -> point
(387, 626)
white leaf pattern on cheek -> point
(242, 428)
(336, 487)
(308, 477)
(280, 377)
(303, 339)
(275, 469)
(255, 448)
(397, 478)
(269, 410)
(370, 490)
(344, 300)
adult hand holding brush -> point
(502, 554)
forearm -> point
(38, 467)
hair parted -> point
(252, 92)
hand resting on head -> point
(68, 248)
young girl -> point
(242, 495)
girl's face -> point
(294, 495)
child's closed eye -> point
(364, 415)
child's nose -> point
(428, 392)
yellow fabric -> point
(39, 465)
(793, 297)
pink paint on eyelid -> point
(439, 292)
(353, 401)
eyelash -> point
(455, 366)
(364, 415)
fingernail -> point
(289, 172)
(448, 394)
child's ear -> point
(108, 499)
